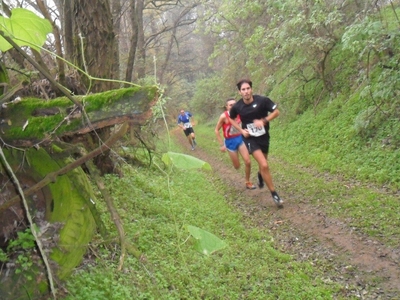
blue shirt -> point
(185, 118)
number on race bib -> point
(255, 131)
(187, 125)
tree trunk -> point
(65, 9)
(116, 13)
(168, 55)
(141, 51)
(57, 41)
(96, 38)
(134, 42)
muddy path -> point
(367, 268)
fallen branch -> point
(94, 172)
(51, 177)
(125, 246)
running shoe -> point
(260, 181)
(250, 186)
(278, 201)
(192, 148)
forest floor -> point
(370, 269)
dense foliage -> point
(332, 68)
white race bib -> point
(233, 131)
(187, 125)
(255, 131)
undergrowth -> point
(329, 142)
(156, 210)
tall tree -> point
(96, 41)
(141, 51)
(134, 40)
(180, 18)
(117, 14)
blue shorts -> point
(233, 144)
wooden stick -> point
(51, 177)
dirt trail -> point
(305, 232)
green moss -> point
(56, 148)
(98, 101)
(70, 195)
(119, 102)
(21, 120)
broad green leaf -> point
(25, 28)
(183, 161)
(206, 242)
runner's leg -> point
(261, 159)
(235, 159)
(193, 138)
(189, 136)
(246, 159)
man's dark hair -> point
(248, 81)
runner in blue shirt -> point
(184, 122)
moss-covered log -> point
(32, 121)
(61, 210)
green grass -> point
(329, 143)
(156, 209)
(365, 208)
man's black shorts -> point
(257, 143)
(188, 131)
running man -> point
(255, 113)
(184, 122)
(233, 142)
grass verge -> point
(366, 208)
